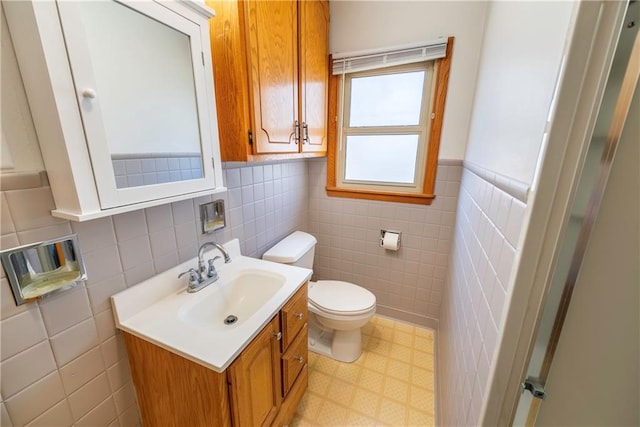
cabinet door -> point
(141, 86)
(314, 73)
(273, 72)
(254, 380)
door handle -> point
(296, 131)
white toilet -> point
(337, 310)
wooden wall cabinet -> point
(271, 73)
(262, 387)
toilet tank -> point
(297, 249)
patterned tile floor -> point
(391, 384)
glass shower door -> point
(619, 90)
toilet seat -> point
(340, 298)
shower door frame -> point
(566, 275)
(588, 57)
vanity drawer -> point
(294, 316)
(293, 360)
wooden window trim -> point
(427, 195)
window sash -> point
(421, 129)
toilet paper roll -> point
(391, 241)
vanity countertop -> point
(161, 311)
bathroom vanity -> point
(191, 365)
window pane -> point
(387, 100)
(381, 158)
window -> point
(383, 143)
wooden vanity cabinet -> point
(263, 386)
(266, 382)
(271, 73)
(174, 391)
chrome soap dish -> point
(37, 270)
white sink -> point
(161, 311)
(234, 302)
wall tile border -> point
(450, 162)
(23, 180)
(513, 187)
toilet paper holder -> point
(383, 232)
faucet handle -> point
(211, 271)
(194, 279)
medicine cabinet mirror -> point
(123, 91)
(138, 70)
(41, 268)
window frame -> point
(441, 70)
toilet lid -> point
(340, 297)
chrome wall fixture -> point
(212, 216)
(40, 269)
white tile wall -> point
(35, 399)
(58, 415)
(408, 284)
(26, 368)
(61, 360)
(485, 243)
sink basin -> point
(236, 301)
(161, 311)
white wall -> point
(519, 65)
(357, 25)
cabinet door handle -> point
(300, 359)
(278, 335)
(305, 133)
(88, 93)
(299, 316)
(296, 131)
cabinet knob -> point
(278, 335)
(88, 93)
(300, 359)
(299, 316)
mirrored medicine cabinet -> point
(40, 269)
(124, 92)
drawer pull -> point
(278, 336)
(300, 359)
(299, 316)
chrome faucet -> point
(204, 276)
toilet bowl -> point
(340, 309)
(337, 310)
